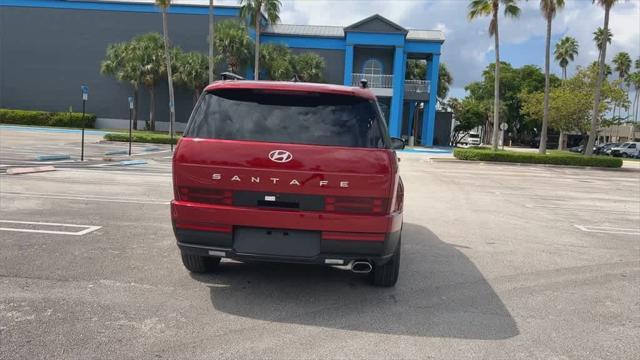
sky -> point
(468, 49)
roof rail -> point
(227, 75)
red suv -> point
(288, 172)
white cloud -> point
(468, 48)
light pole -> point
(130, 121)
(85, 96)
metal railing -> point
(416, 86)
(373, 81)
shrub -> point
(535, 158)
(43, 118)
(142, 137)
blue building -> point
(59, 44)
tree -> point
(468, 114)
(211, 32)
(566, 51)
(607, 4)
(164, 6)
(549, 9)
(599, 38)
(513, 81)
(252, 10)
(120, 63)
(417, 70)
(570, 102)
(634, 80)
(277, 60)
(622, 65)
(445, 79)
(149, 60)
(233, 44)
(309, 67)
(491, 8)
(191, 71)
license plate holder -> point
(276, 242)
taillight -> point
(399, 197)
(358, 205)
(205, 196)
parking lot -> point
(499, 262)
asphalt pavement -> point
(498, 262)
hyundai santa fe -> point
(288, 172)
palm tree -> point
(622, 65)
(602, 45)
(277, 60)
(211, 41)
(252, 11)
(233, 44)
(191, 71)
(491, 8)
(566, 51)
(309, 67)
(599, 37)
(120, 63)
(164, 6)
(148, 58)
(445, 79)
(549, 9)
(635, 82)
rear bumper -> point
(340, 233)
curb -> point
(622, 169)
(151, 148)
(117, 152)
(132, 162)
(53, 157)
(19, 171)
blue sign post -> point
(131, 104)
(85, 96)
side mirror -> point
(397, 143)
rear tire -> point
(386, 275)
(624, 155)
(199, 264)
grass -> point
(554, 157)
(141, 136)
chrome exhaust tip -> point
(361, 267)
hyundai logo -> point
(280, 156)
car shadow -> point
(440, 293)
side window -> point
(632, 146)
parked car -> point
(288, 172)
(605, 149)
(577, 149)
(625, 150)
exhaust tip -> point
(361, 267)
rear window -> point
(287, 117)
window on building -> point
(372, 70)
(372, 67)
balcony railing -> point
(413, 89)
(373, 81)
(416, 89)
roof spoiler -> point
(227, 75)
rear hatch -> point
(286, 150)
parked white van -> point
(628, 149)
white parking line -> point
(86, 228)
(607, 230)
(87, 198)
(581, 209)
